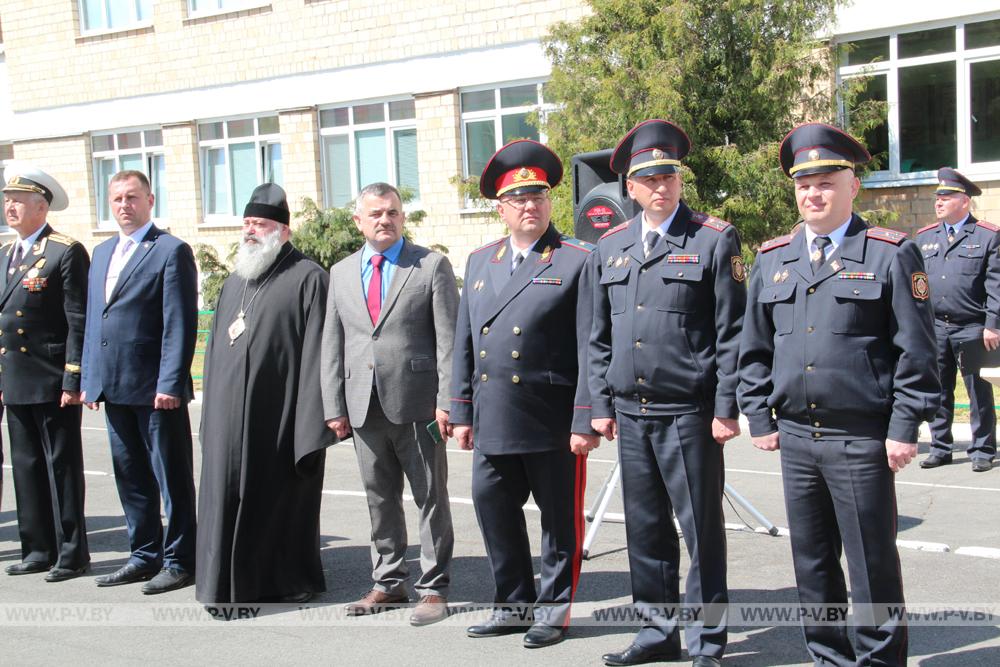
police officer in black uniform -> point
(837, 366)
(663, 356)
(519, 397)
(962, 255)
(43, 289)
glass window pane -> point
(158, 181)
(407, 173)
(268, 125)
(519, 96)
(153, 137)
(104, 169)
(133, 162)
(481, 143)
(337, 178)
(515, 126)
(103, 142)
(402, 110)
(370, 150)
(926, 42)
(93, 15)
(984, 33)
(273, 164)
(479, 100)
(145, 8)
(120, 13)
(216, 182)
(876, 139)
(6, 152)
(927, 117)
(863, 51)
(240, 128)
(129, 140)
(209, 131)
(334, 117)
(985, 107)
(243, 161)
(369, 113)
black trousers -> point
(671, 464)
(840, 497)
(982, 416)
(152, 455)
(556, 480)
(46, 452)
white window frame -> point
(497, 113)
(389, 126)
(963, 59)
(223, 7)
(261, 145)
(147, 153)
(134, 24)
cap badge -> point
(658, 154)
(525, 174)
(814, 154)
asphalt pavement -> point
(949, 532)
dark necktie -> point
(375, 288)
(518, 258)
(818, 257)
(951, 234)
(652, 238)
(15, 261)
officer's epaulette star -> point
(768, 246)
(56, 237)
(710, 221)
(927, 228)
(491, 244)
(613, 230)
(885, 234)
(576, 243)
(988, 225)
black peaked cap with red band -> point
(817, 148)
(520, 167)
(651, 147)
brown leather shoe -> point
(430, 609)
(375, 602)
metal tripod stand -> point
(597, 513)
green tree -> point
(736, 75)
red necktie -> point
(375, 288)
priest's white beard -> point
(256, 255)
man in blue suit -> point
(139, 341)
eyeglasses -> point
(521, 201)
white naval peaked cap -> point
(24, 177)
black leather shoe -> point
(981, 465)
(541, 635)
(501, 622)
(935, 460)
(636, 654)
(295, 598)
(64, 573)
(167, 579)
(27, 567)
(129, 573)
(705, 661)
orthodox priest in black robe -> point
(263, 434)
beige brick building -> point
(212, 97)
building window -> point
(139, 150)
(366, 143)
(103, 15)
(201, 7)
(942, 86)
(237, 155)
(491, 117)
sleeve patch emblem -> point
(920, 286)
(739, 268)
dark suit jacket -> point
(140, 342)
(41, 320)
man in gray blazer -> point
(387, 344)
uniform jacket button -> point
(24, 349)
(19, 313)
(484, 377)
(515, 354)
(482, 354)
(20, 332)
(517, 331)
(486, 330)
(515, 379)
